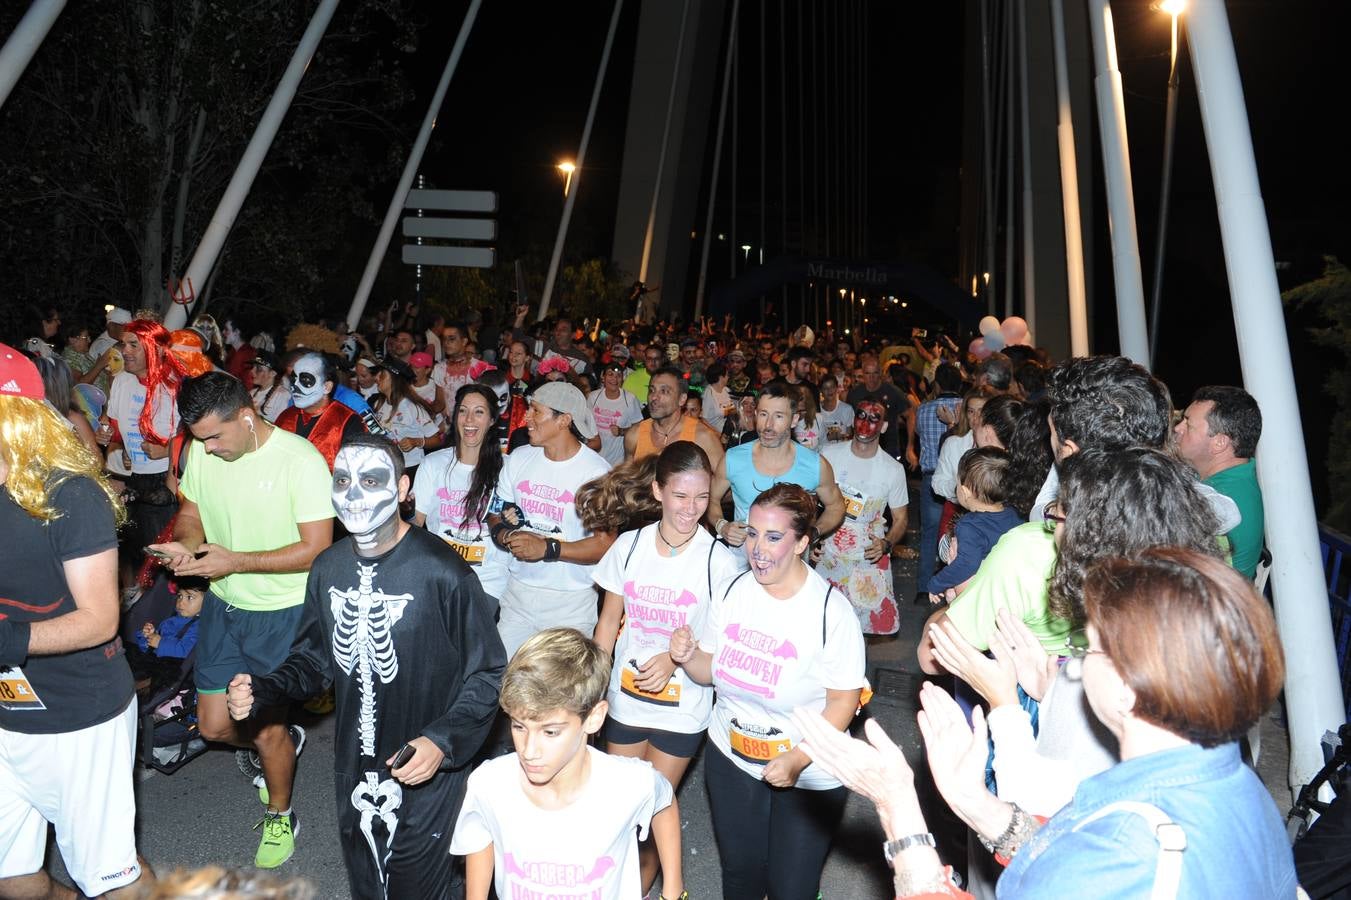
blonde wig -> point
(40, 450)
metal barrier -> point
(1336, 548)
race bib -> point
(16, 693)
(667, 696)
(757, 745)
(472, 553)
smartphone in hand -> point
(401, 758)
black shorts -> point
(672, 743)
(232, 640)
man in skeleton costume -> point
(398, 623)
(317, 416)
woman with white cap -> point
(553, 553)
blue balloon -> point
(995, 341)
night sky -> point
(519, 100)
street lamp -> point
(746, 252)
(567, 168)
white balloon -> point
(989, 325)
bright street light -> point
(567, 168)
(1172, 7)
(746, 252)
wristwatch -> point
(891, 848)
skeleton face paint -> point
(231, 335)
(503, 392)
(365, 492)
(307, 381)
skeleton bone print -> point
(374, 799)
(362, 621)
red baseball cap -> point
(18, 376)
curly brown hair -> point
(1119, 503)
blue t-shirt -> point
(976, 533)
(748, 482)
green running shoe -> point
(297, 738)
(279, 839)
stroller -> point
(167, 737)
(1323, 850)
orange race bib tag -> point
(472, 553)
(853, 502)
(16, 693)
(757, 745)
(667, 696)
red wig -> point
(162, 369)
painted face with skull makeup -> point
(307, 380)
(365, 491)
(870, 419)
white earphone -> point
(249, 421)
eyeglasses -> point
(1052, 516)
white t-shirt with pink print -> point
(661, 593)
(586, 851)
(439, 490)
(771, 656)
(546, 491)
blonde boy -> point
(559, 818)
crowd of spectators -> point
(1085, 556)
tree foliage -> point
(1330, 296)
(121, 135)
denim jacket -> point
(1236, 844)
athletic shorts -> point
(672, 743)
(80, 782)
(526, 610)
(231, 640)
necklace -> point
(675, 548)
(666, 435)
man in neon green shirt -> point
(1217, 436)
(637, 381)
(256, 512)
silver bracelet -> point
(1021, 828)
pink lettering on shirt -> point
(452, 505)
(542, 879)
(546, 491)
(755, 662)
(649, 608)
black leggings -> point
(772, 841)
